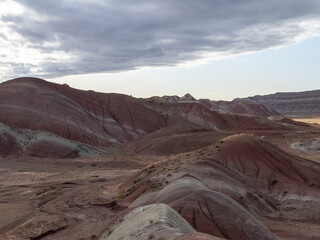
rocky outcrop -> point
(153, 221)
(187, 98)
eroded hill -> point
(85, 165)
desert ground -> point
(80, 198)
(41, 197)
(312, 120)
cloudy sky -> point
(218, 49)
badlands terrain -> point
(86, 165)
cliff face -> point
(291, 103)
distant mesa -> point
(293, 104)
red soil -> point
(85, 116)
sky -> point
(216, 49)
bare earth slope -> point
(43, 144)
(191, 125)
(85, 116)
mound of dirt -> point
(229, 189)
(259, 159)
(190, 126)
(209, 211)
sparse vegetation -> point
(110, 232)
(151, 236)
(52, 187)
(274, 182)
(156, 186)
(119, 197)
(130, 189)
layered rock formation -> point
(294, 104)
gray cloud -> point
(117, 35)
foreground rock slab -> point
(150, 222)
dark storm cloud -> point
(118, 35)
